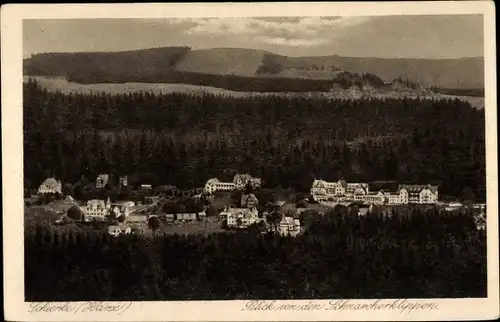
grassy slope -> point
(221, 61)
(58, 84)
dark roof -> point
(244, 198)
(417, 187)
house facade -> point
(249, 201)
(50, 185)
(187, 216)
(241, 180)
(399, 197)
(122, 208)
(322, 190)
(289, 227)
(116, 230)
(97, 210)
(378, 198)
(123, 181)
(419, 194)
(341, 191)
(137, 221)
(240, 217)
(150, 200)
(213, 185)
(101, 181)
(480, 221)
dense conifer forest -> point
(419, 254)
(183, 140)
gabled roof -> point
(360, 186)
(287, 220)
(318, 184)
(103, 177)
(243, 177)
(51, 182)
(418, 187)
(96, 203)
(213, 181)
(136, 218)
(245, 212)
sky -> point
(402, 36)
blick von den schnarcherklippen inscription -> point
(401, 305)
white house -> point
(413, 194)
(213, 185)
(186, 216)
(97, 210)
(481, 206)
(50, 185)
(122, 208)
(452, 206)
(378, 198)
(399, 197)
(480, 221)
(123, 181)
(116, 230)
(289, 226)
(240, 217)
(322, 190)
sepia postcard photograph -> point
(250, 161)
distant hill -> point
(92, 65)
(463, 73)
(198, 67)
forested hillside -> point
(406, 255)
(184, 139)
(93, 65)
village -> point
(229, 206)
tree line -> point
(183, 139)
(423, 254)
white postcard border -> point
(12, 152)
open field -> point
(64, 86)
(48, 214)
(203, 227)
